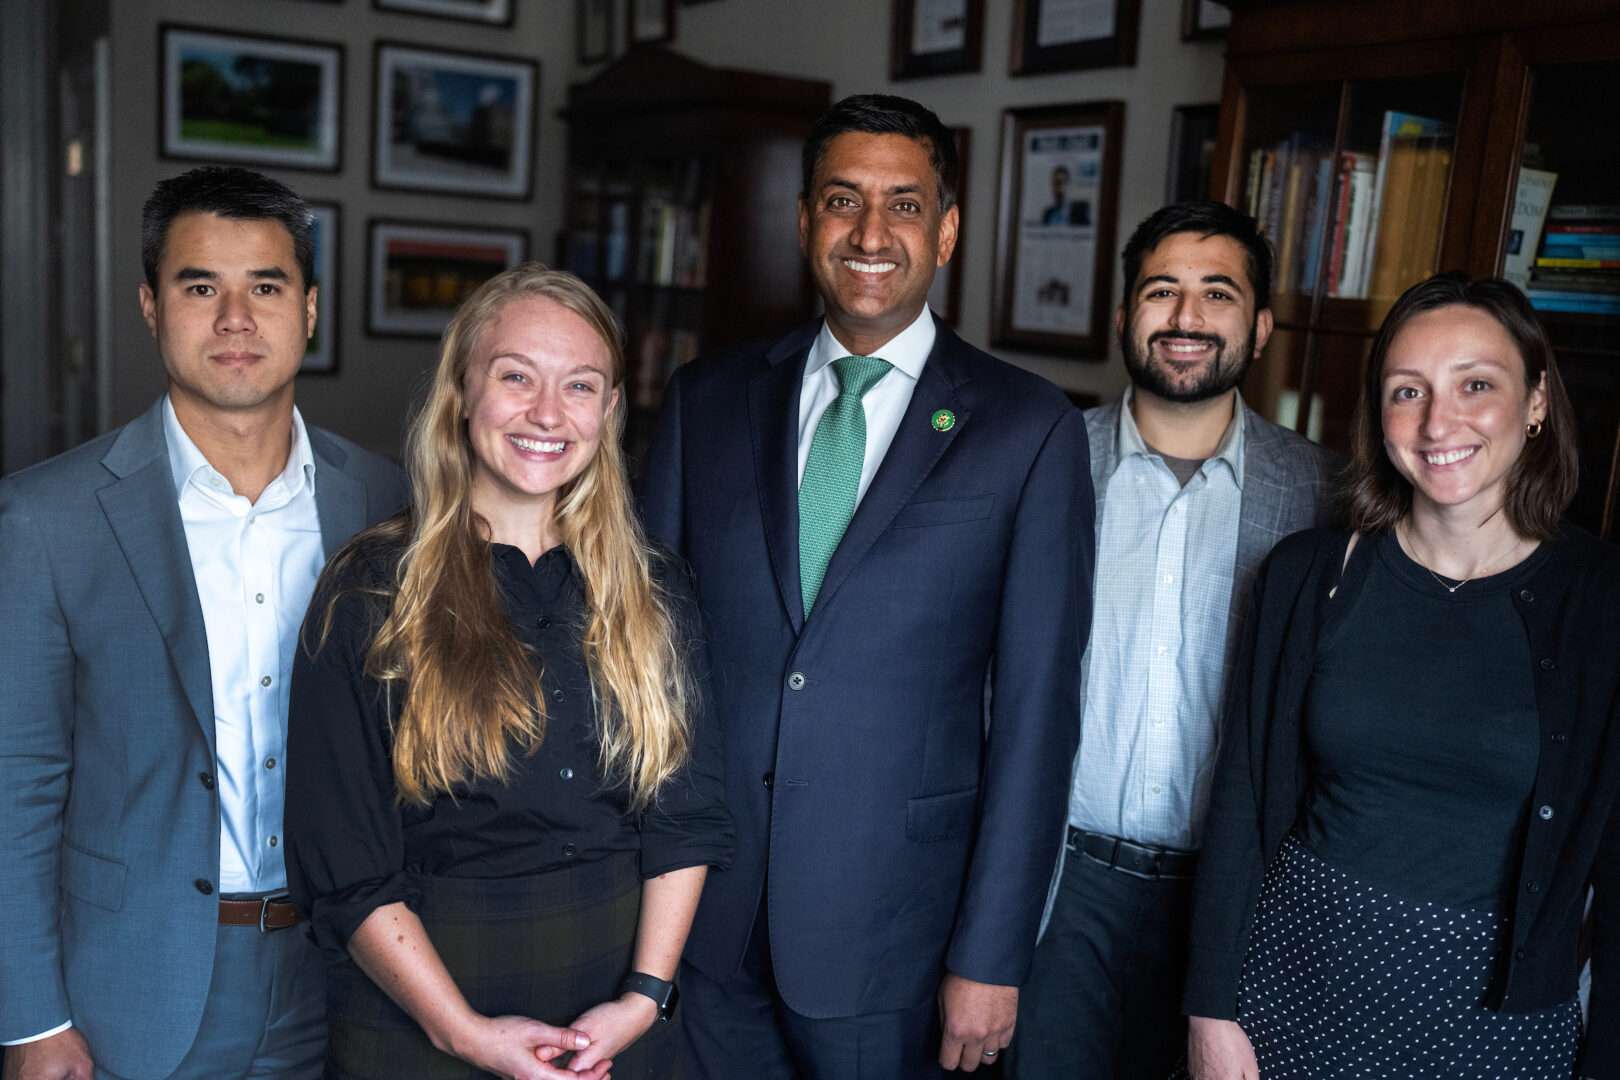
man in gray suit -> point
(1193, 489)
(154, 582)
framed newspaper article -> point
(1055, 231)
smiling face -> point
(1455, 407)
(230, 314)
(872, 229)
(1189, 329)
(538, 390)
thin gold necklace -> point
(1440, 581)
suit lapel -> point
(916, 448)
(144, 514)
(773, 413)
(340, 499)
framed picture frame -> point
(418, 272)
(935, 37)
(1070, 35)
(250, 99)
(649, 21)
(1192, 151)
(459, 123)
(488, 12)
(1059, 198)
(321, 353)
(945, 295)
(1203, 20)
(593, 30)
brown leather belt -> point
(269, 913)
(1137, 860)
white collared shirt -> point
(255, 565)
(1154, 670)
(885, 403)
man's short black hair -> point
(886, 114)
(230, 192)
(1207, 219)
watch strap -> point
(662, 991)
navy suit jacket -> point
(897, 764)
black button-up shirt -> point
(352, 847)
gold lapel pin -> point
(944, 420)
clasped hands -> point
(524, 1049)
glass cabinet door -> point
(1563, 248)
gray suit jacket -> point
(109, 819)
(1287, 486)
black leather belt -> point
(1137, 860)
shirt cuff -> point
(57, 1030)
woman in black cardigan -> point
(1419, 780)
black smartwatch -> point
(662, 991)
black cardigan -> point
(1571, 611)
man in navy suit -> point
(891, 533)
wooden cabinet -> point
(1423, 116)
(683, 182)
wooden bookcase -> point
(1497, 87)
(681, 209)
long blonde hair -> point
(470, 687)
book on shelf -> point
(1593, 246)
(1577, 265)
(1414, 172)
(1574, 303)
(1584, 212)
(1531, 200)
(1357, 172)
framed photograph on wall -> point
(1068, 35)
(1192, 151)
(935, 37)
(455, 122)
(1204, 19)
(489, 12)
(649, 21)
(945, 295)
(418, 273)
(593, 30)
(321, 354)
(1055, 230)
(250, 99)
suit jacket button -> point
(207, 780)
(796, 681)
(204, 886)
(569, 851)
(770, 779)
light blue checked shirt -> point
(1153, 673)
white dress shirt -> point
(885, 403)
(255, 564)
(1154, 670)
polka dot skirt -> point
(1345, 981)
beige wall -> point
(845, 41)
(368, 398)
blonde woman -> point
(502, 800)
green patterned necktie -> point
(832, 472)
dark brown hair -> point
(1542, 481)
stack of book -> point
(1373, 218)
(1578, 265)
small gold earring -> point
(1533, 429)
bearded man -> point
(1193, 489)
